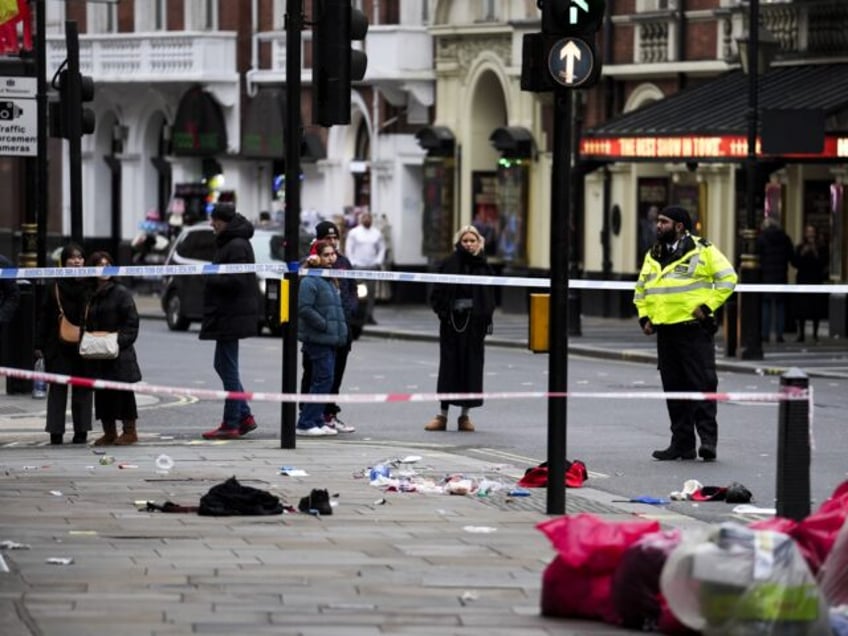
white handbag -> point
(99, 345)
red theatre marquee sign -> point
(692, 147)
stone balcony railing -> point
(169, 56)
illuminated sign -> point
(693, 147)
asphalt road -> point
(613, 436)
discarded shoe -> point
(707, 453)
(672, 453)
(317, 502)
(246, 425)
(464, 424)
(438, 423)
(222, 432)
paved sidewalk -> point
(383, 563)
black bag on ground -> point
(230, 498)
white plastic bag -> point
(735, 581)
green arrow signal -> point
(572, 12)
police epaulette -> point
(704, 242)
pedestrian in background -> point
(328, 231)
(683, 281)
(10, 297)
(366, 250)
(465, 318)
(775, 252)
(322, 328)
(230, 314)
(812, 261)
(68, 297)
(112, 308)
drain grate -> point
(537, 503)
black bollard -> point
(793, 449)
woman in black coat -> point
(112, 308)
(71, 294)
(465, 318)
(812, 261)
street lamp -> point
(755, 53)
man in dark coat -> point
(230, 314)
(776, 251)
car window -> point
(199, 246)
(268, 247)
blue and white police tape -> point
(280, 268)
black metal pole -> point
(74, 130)
(41, 172)
(749, 304)
(558, 316)
(793, 449)
(293, 135)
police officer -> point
(684, 280)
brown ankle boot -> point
(129, 435)
(464, 424)
(438, 423)
(110, 434)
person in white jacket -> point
(366, 249)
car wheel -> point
(173, 315)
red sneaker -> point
(222, 432)
(246, 425)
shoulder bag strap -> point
(58, 301)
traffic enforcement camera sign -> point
(571, 62)
(18, 121)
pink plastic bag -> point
(578, 582)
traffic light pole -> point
(558, 319)
(293, 135)
(74, 130)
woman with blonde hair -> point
(465, 318)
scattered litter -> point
(122, 466)
(291, 471)
(83, 533)
(410, 459)
(519, 492)
(13, 545)
(29, 467)
(164, 464)
(479, 529)
(166, 437)
(59, 560)
(380, 470)
(459, 487)
(3, 567)
(644, 499)
(749, 509)
(106, 460)
(690, 487)
(468, 596)
(380, 502)
(316, 503)
(56, 493)
(98, 451)
(141, 504)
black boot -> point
(56, 439)
(80, 437)
(672, 453)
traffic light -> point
(580, 18)
(336, 24)
(563, 54)
(68, 117)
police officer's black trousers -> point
(686, 356)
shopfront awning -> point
(515, 142)
(438, 141)
(709, 122)
(263, 130)
(199, 129)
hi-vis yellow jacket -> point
(701, 275)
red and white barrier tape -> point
(791, 394)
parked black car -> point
(182, 296)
